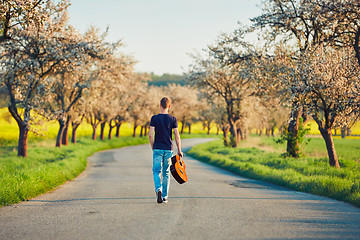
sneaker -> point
(165, 200)
(159, 197)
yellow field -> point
(48, 129)
(355, 130)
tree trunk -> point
(238, 136)
(60, 132)
(225, 133)
(102, 128)
(208, 127)
(343, 132)
(145, 130)
(65, 135)
(23, 130)
(327, 135)
(189, 125)
(282, 130)
(94, 127)
(241, 134)
(23, 142)
(112, 125)
(75, 124)
(110, 130)
(182, 126)
(135, 126)
(233, 133)
(73, 135)
(118, 129)
(356, 45)
(141, 131)
(267, 132)
(293, 149)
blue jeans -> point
(161, 168)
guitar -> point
(178, 169)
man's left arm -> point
(178, 141)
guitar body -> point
(178, 169)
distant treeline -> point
(167, 79)
(156, 80)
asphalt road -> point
(115, 199)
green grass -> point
(310, 174)
(48, 167)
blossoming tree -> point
(331, 84)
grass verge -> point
(48, 167)
(307, 174)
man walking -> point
(162, 124)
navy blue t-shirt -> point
(163, 123)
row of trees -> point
(46, 64)
(48, 68)
(307, 63)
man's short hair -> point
(165, 102)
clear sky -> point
(161, 33)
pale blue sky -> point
(160, 33)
